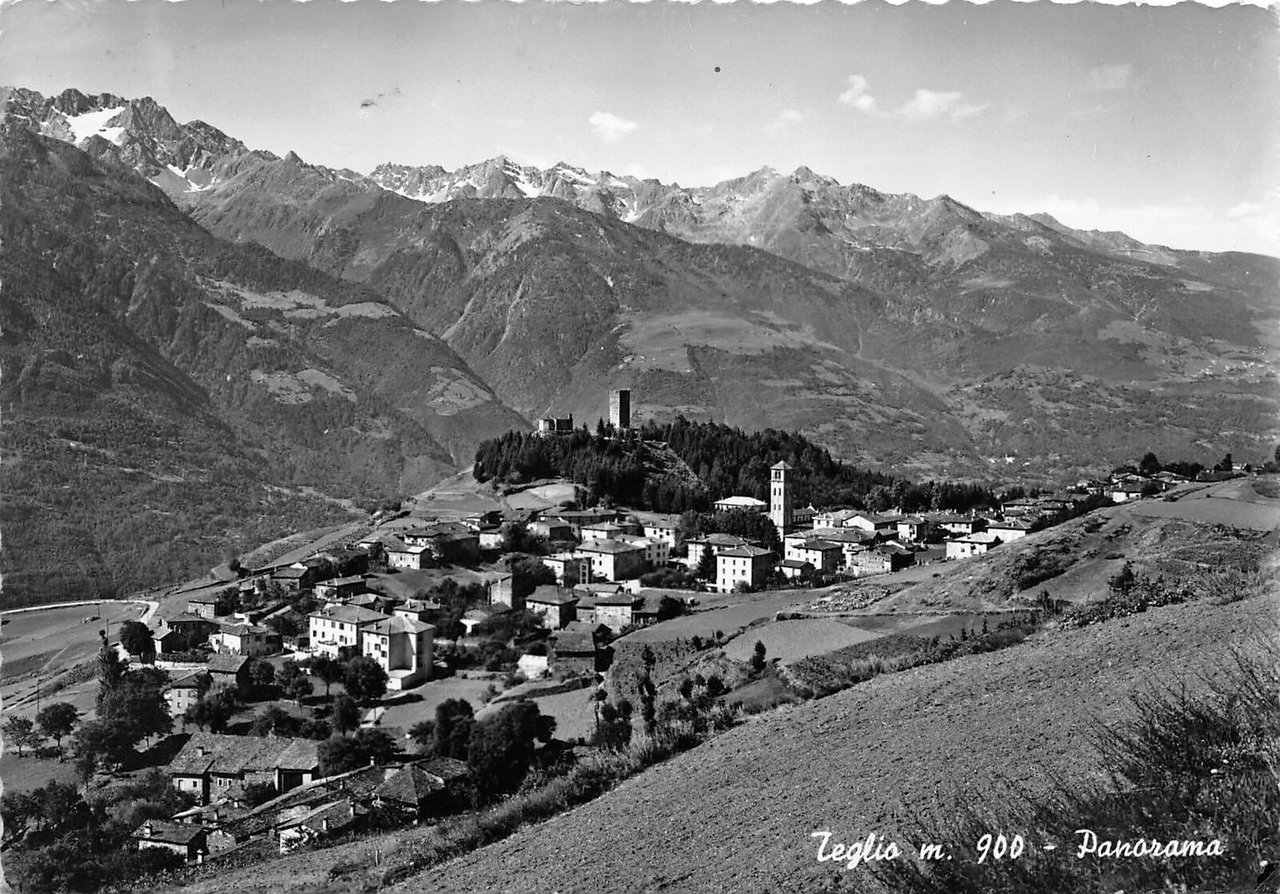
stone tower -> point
(780, 497)
(620, 409)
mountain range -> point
(359, 334)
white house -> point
(613, 559)
(972, 544)
(336, 629)
(748, 565)
(402, 647)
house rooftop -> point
(345, 581)
(622, 598)
(399, 624)
(226, 664)
(784, 465)
(610, 547)
(349, 614)
(549, 594)
(740, 501)
(746, 552)
(169, 831)
(719, 539)
(232, 755)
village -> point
(438, 609)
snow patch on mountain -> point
(96, 123)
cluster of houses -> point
(220, 773)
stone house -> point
(184, 839)
(229, 671)
(573, 650)
(210, 765)
(556, 607)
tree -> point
(613, 725)
(111, 669)
(527, 574)
(287, 673)
(21, 731)
(214, 710)
(648, 691)
(274, 721)
(365, 679)
(423, 734)
(1149, 465)
(299, 689)
(758, 658)
(329, 671)
(706, 569)
(98, 743)
(57, 721)
(136, 638)
(376, 745)
(346, 714)
(1124, 581)
(502, 745)
(263, 674)
(1225, 464)
(137, 704)
(340, 753)
(452, 729)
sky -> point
(1163, 122)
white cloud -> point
(1106, 78)
(859, 96)
(923, 106)
(928, 104)
(783, 121)
(610, 127)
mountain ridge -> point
(891, 328)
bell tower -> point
(780, 497)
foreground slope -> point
(736, 813)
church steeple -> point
(780, 497)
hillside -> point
(918, 333)
(1199, 529)
(168, 392)
(737, 813)
(897, 753)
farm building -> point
(972, 545)
(184, 839)
(554, 605)
(210, 764)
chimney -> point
(200, 750)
